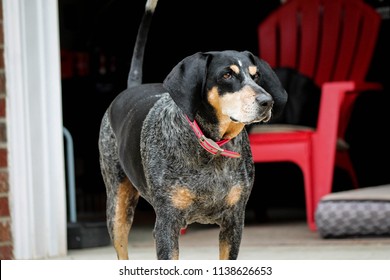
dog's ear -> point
(271, 83)
(185, 83)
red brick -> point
(3, 158)
(4, 182)
(4, 207)
(6, 252)
(5, 232)
(1, 34)
(2, 107)
(1, 9)
(2, 83)
(3, 133)
(2, 58)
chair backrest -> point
(326, 40)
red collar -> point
(209, 145)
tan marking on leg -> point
(234, 195)
(175, 255)
(252, 70)
(224, 250)
(125, 197)
(182, 198)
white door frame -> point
(34, 128)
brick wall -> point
(6, 247)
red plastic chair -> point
(332, 42)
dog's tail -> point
(135, 73)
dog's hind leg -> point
(122, 197)
(126, 201)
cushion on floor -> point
(358, 212)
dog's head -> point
(238, 85)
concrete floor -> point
(279, 239)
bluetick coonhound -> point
(182, 144)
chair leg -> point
(323, 173)
(309, 196)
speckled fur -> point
(172, 157)
(182, 162)
(148, 149)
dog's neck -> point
(229, 129)
(218, 126)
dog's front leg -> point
(166, 234)
(230, 237)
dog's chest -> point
(183, 175)
(205, 197)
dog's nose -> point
(265, 101)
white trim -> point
(34, 128)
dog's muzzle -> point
(265, 104)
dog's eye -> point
(227, 75)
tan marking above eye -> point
(182, 198)
(252, 70)
(235, 69)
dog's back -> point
(127, 112)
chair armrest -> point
(337, 95)
(341, 95)
(363, 86)
(334, 96)
(347, 86)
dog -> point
(182, 144)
